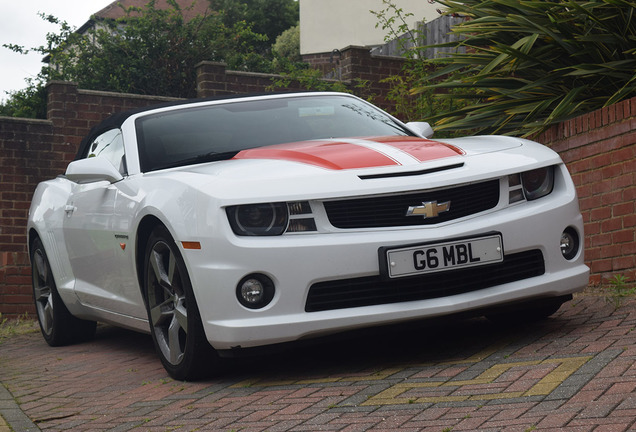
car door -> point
(100, 258)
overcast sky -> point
(21, 25)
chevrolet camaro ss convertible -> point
(227, 224)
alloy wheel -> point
(42, 281)
(167, 303)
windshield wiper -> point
(207, 157)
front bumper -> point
(296, 262)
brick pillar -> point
(354, 63)
(61, 100)
(26, 158)
(63, 110)
(16, 297)
(211, 79)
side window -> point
(111, 146)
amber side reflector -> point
(191, 245)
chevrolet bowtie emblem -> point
(428, 209)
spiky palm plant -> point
(528, 64)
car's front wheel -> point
(174, 317)
(58, 326)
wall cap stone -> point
(128, 95)
(26, 120)
(210, 63)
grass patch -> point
(619, 290)
(12, 327)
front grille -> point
(390, 211)
(368, 291)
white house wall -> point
(326, 25)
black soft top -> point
(117, 119)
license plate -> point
(436, 257)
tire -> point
(57, 324)
(173, 314)
(528, 312)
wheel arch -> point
(32, 234)
(145, 228)
(184, 351)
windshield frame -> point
(262, 119)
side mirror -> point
(422, 129)
(92, 170)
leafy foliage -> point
(290, 68)
(27, 103)
(150, 51)
(530, 64)
(392, 19)
(407, 105)
(269, 18)
(287, 44)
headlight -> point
(268, 219)
(271, 219)
(537, 183)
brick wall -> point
(26, 157)
(351, 66)
(213, 79)
(356, 64)
(35, 150)
(599, 149)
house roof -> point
(190, 8)
(116, 9)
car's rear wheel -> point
(173, 314)
(58, 326)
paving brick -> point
(573, 372)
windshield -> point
(200, 134)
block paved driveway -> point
(573, 372)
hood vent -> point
(411, 173)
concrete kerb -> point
(11, 416)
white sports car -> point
(227, 224)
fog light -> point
(255, 291)
(569, 243)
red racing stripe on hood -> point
(422, 149)
(326, 154)
(352, 153)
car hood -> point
(358, 153)
(338, 154)
(341, 167)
